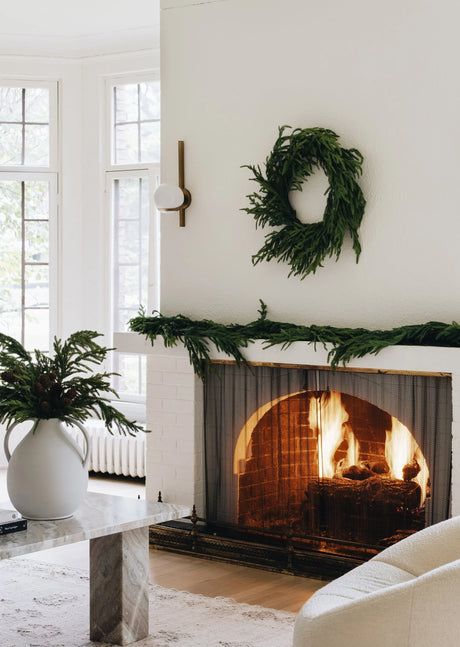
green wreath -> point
(294, 158)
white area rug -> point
(43, 605)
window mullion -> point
(116, 255)
(23, 143)
(139, 141)
(114, 127)
(23, 261)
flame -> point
(327, 416)
(353, 448)
(400, 449)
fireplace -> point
(315, 459)
(175, 448)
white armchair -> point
(406, 596)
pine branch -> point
(61, 386)
(343, 344)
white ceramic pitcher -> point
(47, 472)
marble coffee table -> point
(117, 529)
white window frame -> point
(122, 79)
(48, 173)
(53, 88)
(152, 172)
(119, 171)
(51, 178)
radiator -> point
(113, 454)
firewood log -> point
(411, 470)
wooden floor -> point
(188, 573)
(242, 583)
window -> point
(132, 176)
(136, 123)
(24, 126)
(28, 208)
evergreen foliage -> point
(343, 344)
(39, 386)
(294, 158)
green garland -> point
(294, 158)
(346, 343)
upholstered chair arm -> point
(425, 550)
(380, 619)
(419, 612)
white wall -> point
(384, 76)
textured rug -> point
(43, 605)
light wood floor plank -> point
(242, 583)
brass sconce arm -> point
(175, 198)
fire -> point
(400, 450)
(353, 448)
(329, 418)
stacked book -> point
(11, 521)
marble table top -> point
(97, 516)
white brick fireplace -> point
(175, 454)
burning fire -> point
(402, 451)
(328, 417)
(404, 459)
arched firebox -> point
(339, 461)
(329, 464)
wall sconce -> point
(168, 197)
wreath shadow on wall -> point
(296, 156)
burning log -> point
(380, 467)
(411, 470)
(357, 473)
(392, 492)
(361, 510)
(366, 470)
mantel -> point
(394, 358)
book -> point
(8, 515)
(13, 526)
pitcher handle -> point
(6, 440)
(86, 457)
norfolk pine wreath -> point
(295, 156)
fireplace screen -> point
(340, 460)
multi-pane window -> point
(136, 123)
(27, 213)
(24, 126)
(134, 169)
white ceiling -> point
(81, 28)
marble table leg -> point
(119, 595)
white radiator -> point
(113, 454)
